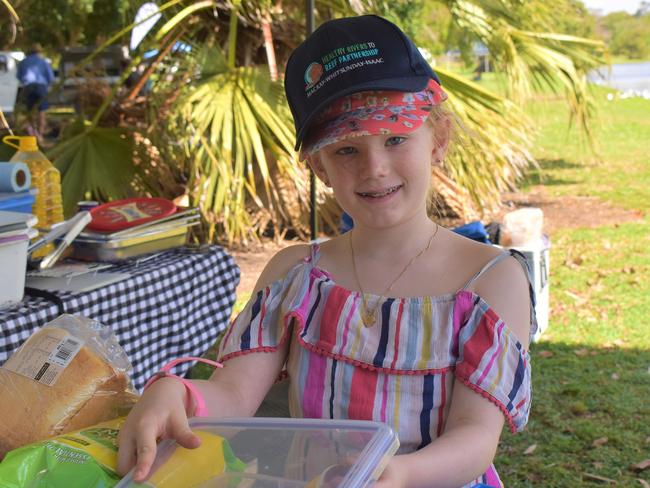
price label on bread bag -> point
(44, 357)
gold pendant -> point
(368, 318)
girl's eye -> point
(395, 140)
(345, 150)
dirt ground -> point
(570, 211)
(559, 213)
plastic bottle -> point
(48, 206)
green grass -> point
(618, 172)
(601, 293)
(577, 400)
(591, 369)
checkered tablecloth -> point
(174, 304)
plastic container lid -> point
(122, 214)
(25, 143)
(274, 453)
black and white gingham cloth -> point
(173, 305)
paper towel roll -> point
(14, 177)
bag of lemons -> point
(88, 458)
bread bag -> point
(68, 375)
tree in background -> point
(628, 35)
(56, 24)
(216, 127)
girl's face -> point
(380, 180)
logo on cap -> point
(313, 73)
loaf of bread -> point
(87, 390)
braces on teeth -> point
(384, 193)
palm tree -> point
(235, 150)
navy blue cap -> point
(350, 55)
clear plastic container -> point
(48, 206)
(275, 453)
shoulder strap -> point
(314, 253)
(526, 265)
(490, 263)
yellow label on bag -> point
(99, 441)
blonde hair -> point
(441, 115)
(444, 125)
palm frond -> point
(11, 10)
(182, 16)
(493, 140)
(242, 132)
(95, 163)
(530, 58)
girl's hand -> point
(160, 414)
(394, 476)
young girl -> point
(399, 320)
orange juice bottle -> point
(48, 206)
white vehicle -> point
(8, 82)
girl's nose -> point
(375, 164)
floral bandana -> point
(372, 113)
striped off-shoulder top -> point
(400, 371)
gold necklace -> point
(368, 315)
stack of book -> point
(17, 225)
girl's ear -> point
(313, 160)
(441, 137)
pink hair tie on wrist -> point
(200, 409)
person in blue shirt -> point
(35, 75)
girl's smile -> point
(381, 194)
